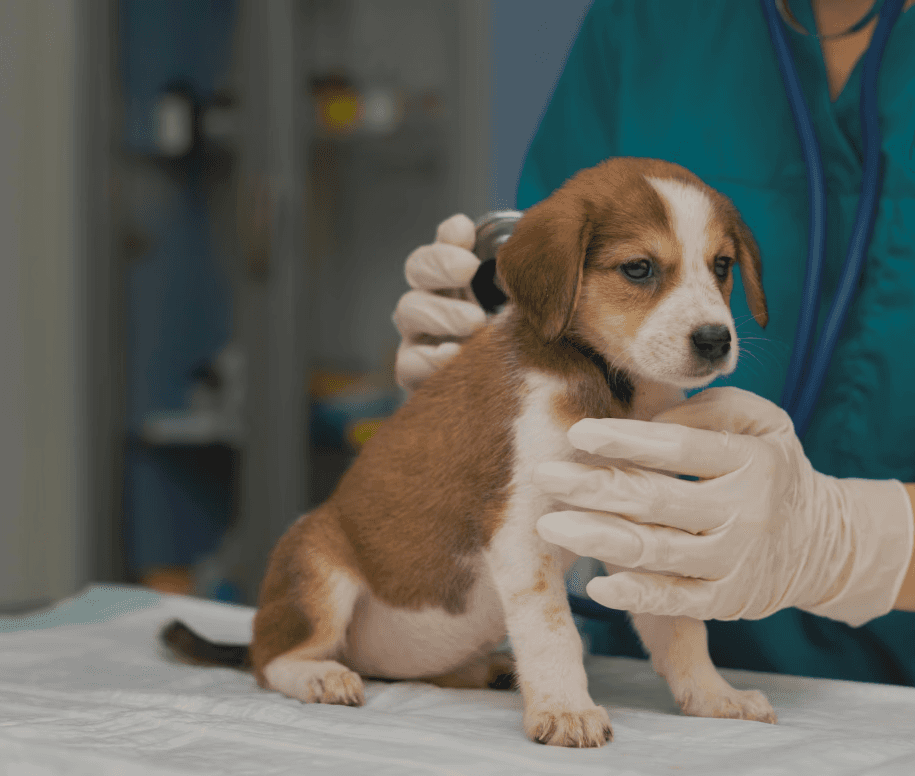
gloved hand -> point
(440, 311)
(759, 532)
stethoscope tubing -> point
(816, 194)
(868, 205)
(808, 365)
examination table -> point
(85, 688)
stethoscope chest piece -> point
(492, 231)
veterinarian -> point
(798, 551)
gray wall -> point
(530, 43)
(43, 522)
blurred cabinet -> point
(362, 125)
(270, 300)
(346, 131)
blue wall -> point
(530, 41)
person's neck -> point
(840, 55)
(834, 16)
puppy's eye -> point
(723, 266)
(638, 270)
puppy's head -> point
(634, 258)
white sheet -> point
(84, 689)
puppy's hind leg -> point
(300, 627)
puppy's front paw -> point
(565, 727)
(734, 704)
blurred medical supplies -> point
(341, 108)
(347, 408)
(214, 414)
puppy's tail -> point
(192, 648)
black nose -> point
(711, 342)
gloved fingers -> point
(457, 230)
(415, 363)
(618, 542)
(664, 446)
(439, 266)
(729, 409)
(421, 313)
(642, 593)
(638, 495)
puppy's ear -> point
(541, 265)
(751, 271)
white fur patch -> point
(529, 572)
(690, 210)
(394, 643)
(663, 349)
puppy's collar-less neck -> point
(618, 381)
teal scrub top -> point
(698, 84)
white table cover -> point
(85, 689)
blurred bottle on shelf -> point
(342, 109)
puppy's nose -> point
(711, 342)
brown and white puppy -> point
(426, 555)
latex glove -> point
(439, 311)
(762, 531)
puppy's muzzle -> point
(711, 343)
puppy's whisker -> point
(766, 341)
(778, 359)
(749, 354)
(746, 324)
(765, 358)
(767, 367)
(742, 319)
(753, 367)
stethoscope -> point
(809, 363)
(806, 371)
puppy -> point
(426, 555)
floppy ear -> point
(751, 272)
(541, 265)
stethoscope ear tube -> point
(802, 389)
